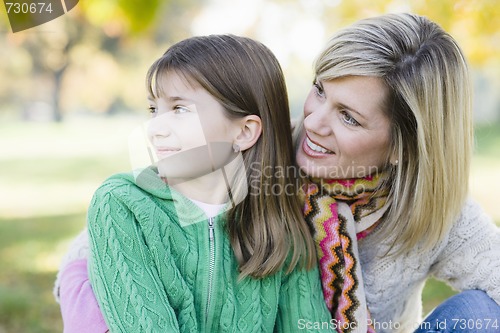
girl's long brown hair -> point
(267, 228)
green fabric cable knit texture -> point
(149, 267)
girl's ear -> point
(250, 131)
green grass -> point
(48, 173)
(487, 138)
(434, 293)
(29, 252)
(78, 169)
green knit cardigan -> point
(154, 268)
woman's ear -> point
(250, 131)
(393, 158)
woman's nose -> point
(317, 119)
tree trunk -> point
(56, 94)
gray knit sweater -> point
(468, 257)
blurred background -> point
(72, 90)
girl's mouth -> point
(162, 152)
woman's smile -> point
(313, 149)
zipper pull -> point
(211, 228)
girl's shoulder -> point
(137, 183)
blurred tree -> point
(472, 22)
(105, 41)
(109, 26)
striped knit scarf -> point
(341, 212)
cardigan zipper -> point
(211, 263)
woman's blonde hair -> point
(267, 228)
(429, 106)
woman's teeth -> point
(316, 148)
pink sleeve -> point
(79, 308)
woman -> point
(387, 139)
(188, 245)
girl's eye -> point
(318, 89)
(152, 109)
(180, 109)
(346, 117)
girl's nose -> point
(158, 127)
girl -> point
(193, 244)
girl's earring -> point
(236, 148)
(395, 163)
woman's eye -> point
(318, 89)
(152, 109)
(180, 109)
(346, 117)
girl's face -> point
(346, 132)
(189, 131)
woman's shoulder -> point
(471, 216)
(470, 224)
(470, 229)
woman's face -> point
(346, 132)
